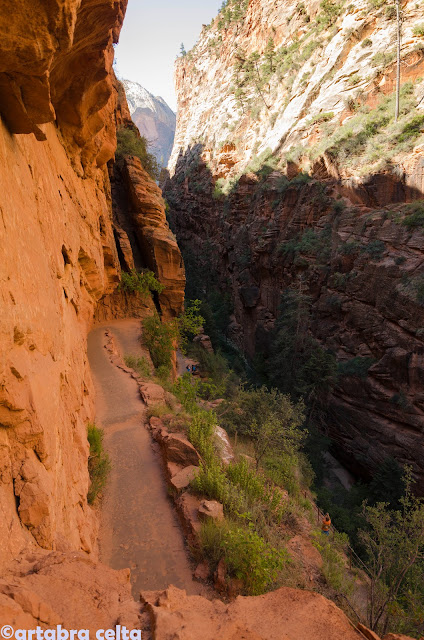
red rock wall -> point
(362, 305)
(57, 257)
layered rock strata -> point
(305, 217)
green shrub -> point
(201, 431)
(247, 555)
(334, 562)
(141, 365)
(415, 215)
(375, 249)
(354, 80)
(339, 206)
(355, 367)
(159, 338)
(418, 30)
(246, 478)
(383, 58)
(141, 282)
(366, 43)
(130, 143)
(412, 129)
(99, 464)
(211, 481)
(321, 117)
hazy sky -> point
(151, 37)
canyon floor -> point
(139, 528)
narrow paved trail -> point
(139, 528)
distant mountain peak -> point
(153, 117)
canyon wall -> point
(289, 172)
(60, 107)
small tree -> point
(269, 55)
(269, 418)
(183, 52)
(394, 544)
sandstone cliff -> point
(59, 259)
(289, 171)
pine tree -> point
(183, 52)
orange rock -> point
(156, 240)
(285, 614)
(67, 589)
(179, 449)
(211, 510)
(370, 635)
(182, 479)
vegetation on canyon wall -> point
(99, 464)
(131, 143)
(298, 254)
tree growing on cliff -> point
(131, 143)
(299, 365)
(183, 52)
(268, 418)
(394, 545)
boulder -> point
(179, 449)
(211, 510)
(367, 633)
(202, 571)
(182, 479)
(188, 507)
(152, 393)
(220, 575)
(224, 445)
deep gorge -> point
(289, 177)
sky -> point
(151, 38)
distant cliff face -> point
(288, 171)
(154, 118)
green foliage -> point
(141, 282)
(412, 129)
(366, 43)
(130, 143)
(334, 562)
(321, 117)
(247, 555)
(372, 136)
(376, 4)
(298, 364)
(140, 365)
(162, 337)
(414, 215)
(383, 58)
(394, 543)
(375, 249)
(99, 464)
(269, 418)
(200, 432)
(329, 12)
(355, 367)
(190, 322)
(159, 337)
(418, 30)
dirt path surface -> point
(139, 527)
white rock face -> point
(320, 80)
(154, 118)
